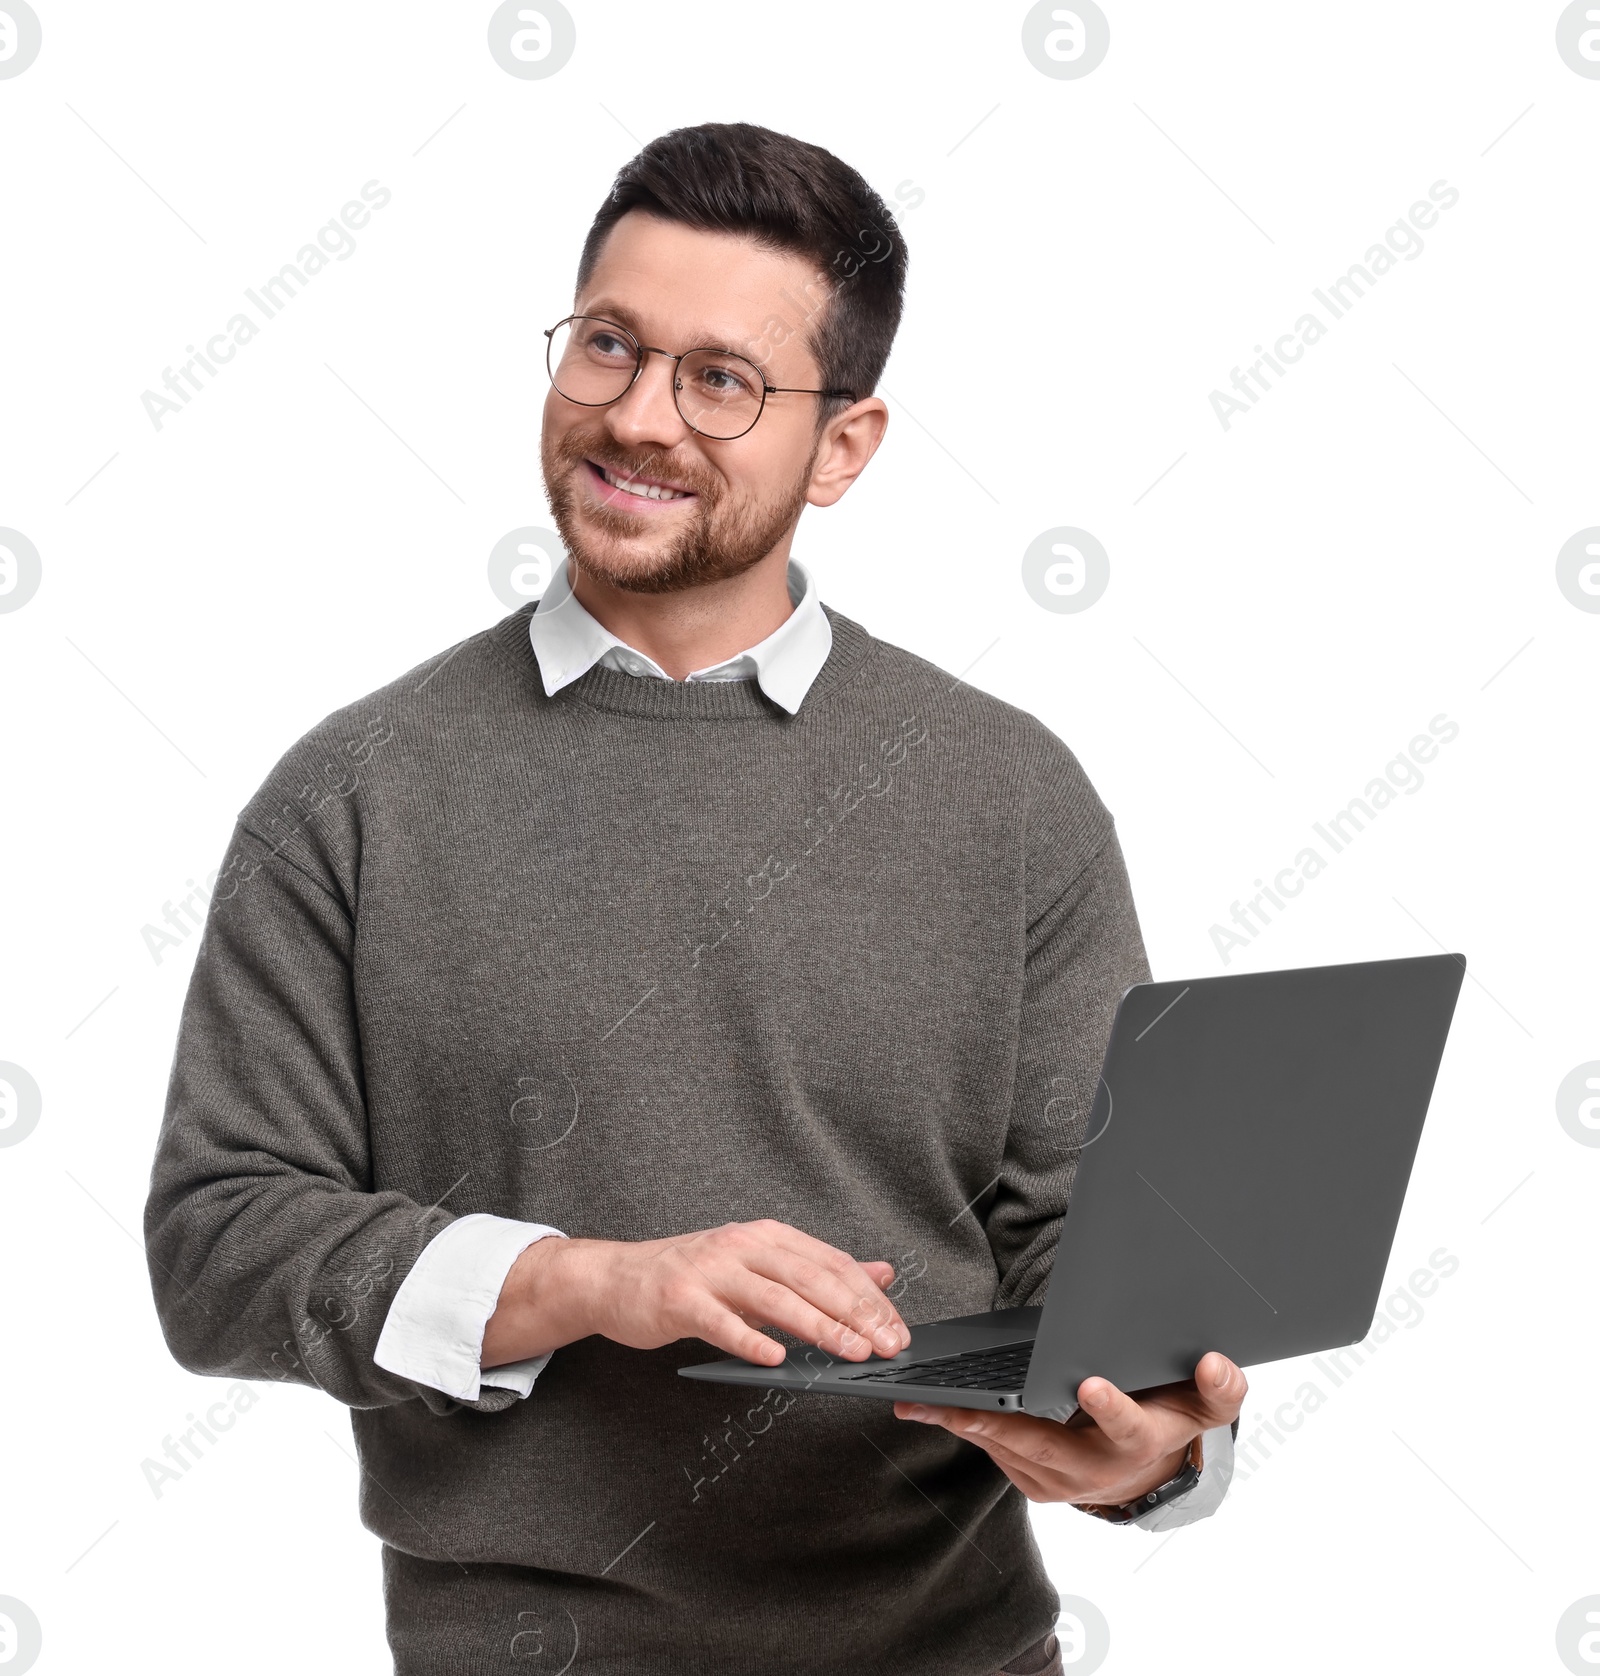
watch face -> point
(1181, 1482)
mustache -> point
(574, 449)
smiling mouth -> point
(641, 488)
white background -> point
(1288, 605)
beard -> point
(722, 536)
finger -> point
(820, 1252)
(1039, 1476)
(707, 1311)
(768, 1302)
(1220, 1388)
(728, 1262)
(880, 1274)
(977, 1425)
(1034, 1444)
(1050, 1484)
(727, 1331)
(1030, 1486)
(1212, 1397)
(846, 1294)
(856, 1304)
(830, 1257)
(925, 1412)
(1117, 1415)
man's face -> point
(677, 289)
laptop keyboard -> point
(1002, 1369)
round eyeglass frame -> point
(640, 350)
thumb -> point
(1220, 1388)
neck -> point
(696, 627)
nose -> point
(647, 415)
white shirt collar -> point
(568, 641)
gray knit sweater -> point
(639, 959)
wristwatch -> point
(1183, 1480)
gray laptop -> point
(1241, 1179)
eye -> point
(604, 343)
(724, 378)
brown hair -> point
(734, 177)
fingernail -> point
(1223, 1374)
(888, 1342)
(916, 1412)
(1100, 1396)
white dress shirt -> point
(569, 642)
(433, 1332)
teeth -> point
(644, 491)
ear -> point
(849, 440)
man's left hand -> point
(1114, 1448)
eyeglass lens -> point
(593, 361)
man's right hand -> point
(719, 1285)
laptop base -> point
(968, 1361)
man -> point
(668, 963)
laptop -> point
(1238, 1189)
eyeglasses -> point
(593, 362)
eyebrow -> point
(625, 316)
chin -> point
(643, 578)
(622, 565)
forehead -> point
(678, 288)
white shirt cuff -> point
(433, 1332)
(1206, 1497)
